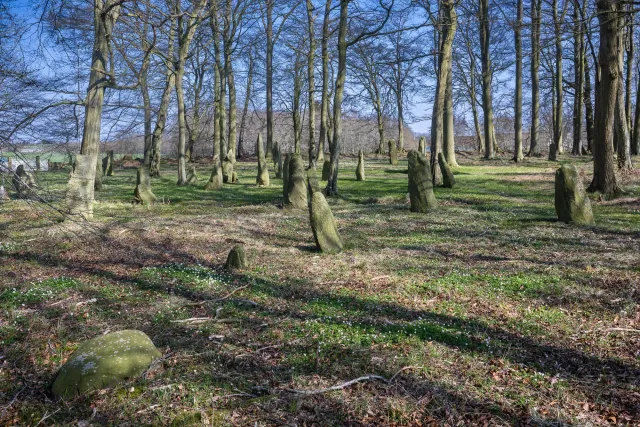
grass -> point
(500, 314)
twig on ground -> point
(10, 404)
(47, 415)
(199, 320)
(230, 294)
(637, 331)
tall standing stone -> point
(80, 190)
(215, 181)
(393, 152)
(277, 160)
(262, 179)
(297, 194)
(448, 180)
(420, 183)
(23, 182)
(192, 175)
(227, 167)
(285, 179)
(326, 170)
(422, 145)
(323, 225)
(110, 164)
(142, 192)
(360, 168)
(97, 183)
(10, 163)
(572, 203)
(38, 164)
(312, 180)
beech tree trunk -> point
(534, 148)
(487, 106)
(517, 149)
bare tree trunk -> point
(182, 129)
(399, 103)
(588, 105)
(629, 64)
(517, 149)
(311, 82)
(635, 143)
(604, 178)
(245, 109)
(269, 71)
(578, 65)
(534, 149)
(217, 134)
(486, 79)
(448, 142)
(297, 94)
(324, 103)
(621, 131)
(557, 123)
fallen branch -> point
(230, 294)
(637, 331)
(199, 320)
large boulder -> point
(572, 203)
(393, 152)
(105, 361)
(215, 181)
(262, 179)
(237, 259)
(448, 180)
(23, 182)
(360, 168)
(420, 183)
(323, 225)
(297, 194)
(142, 192)
(326, 170)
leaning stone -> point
(572, 203)
(237, 259)
(23, 182)
(420, 183)
(448, 180)
(297, 183)
(215, 181)
(360, 168)
(105, 361)
(262, 179)
(142, 192)
(422, 145)
(323, 225)
(312, 180)
(192, 175)
(393, 153)
(326, 170)
(80, 189)
(285, 179)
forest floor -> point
(485, 312)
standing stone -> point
(105, 361)
(237, 259)
(227, 169)
(38, 164)
(23, 182)
(572, 203)
(10, 163)
(297, 194)
(215, 182)
(80, 189)
(97, 183)
(109, 169)
(142, 193)
(448, 180)
(381, 148)
(277, 161)
(192, 175)
(393, 152)
(422, 145)
(360, 168)
(285, 179)
(323, 225)
(312, 180)
(420, 183)
(326, 170)
(262, 179)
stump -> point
(262, 179)
(142, 192)
(393, 153)
(326, 170)
(360, 168)
(297, 193)
(237, 259)
(572, 203)
(80, 189)
(215, 181)
(448, 180)
(323, 225)
(420, 183)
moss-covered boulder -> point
(393, 153)
(323, 225)
(237, 259)
(572, 203)
(215, 181)
(297, 194)
(448, 180)
(360, 168)
(23, 182)
(420, 183)
(142, 193)
(105, 361)
(262, 179)
(326, 170)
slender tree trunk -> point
(233, 113)
(588, 105)
(604, 178)
(635, 143)
(486, 79)
(534, 148)
(324, 103)
(399, 103)
(215, 29)
(297, 94)
(380, 121)
(621, 131)
(182, 128)
(448, 142)
(311, 82)
(578, 65)
(269, 71)
(629, 65)
(517, 34)
(245, 109)
(557, 123)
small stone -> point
(360, 168)
(448, 180)
(142, 192)
(237, 259)
(105, 361)
(323, 225)
(38, 165)
(420, 183)
(571, 200)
